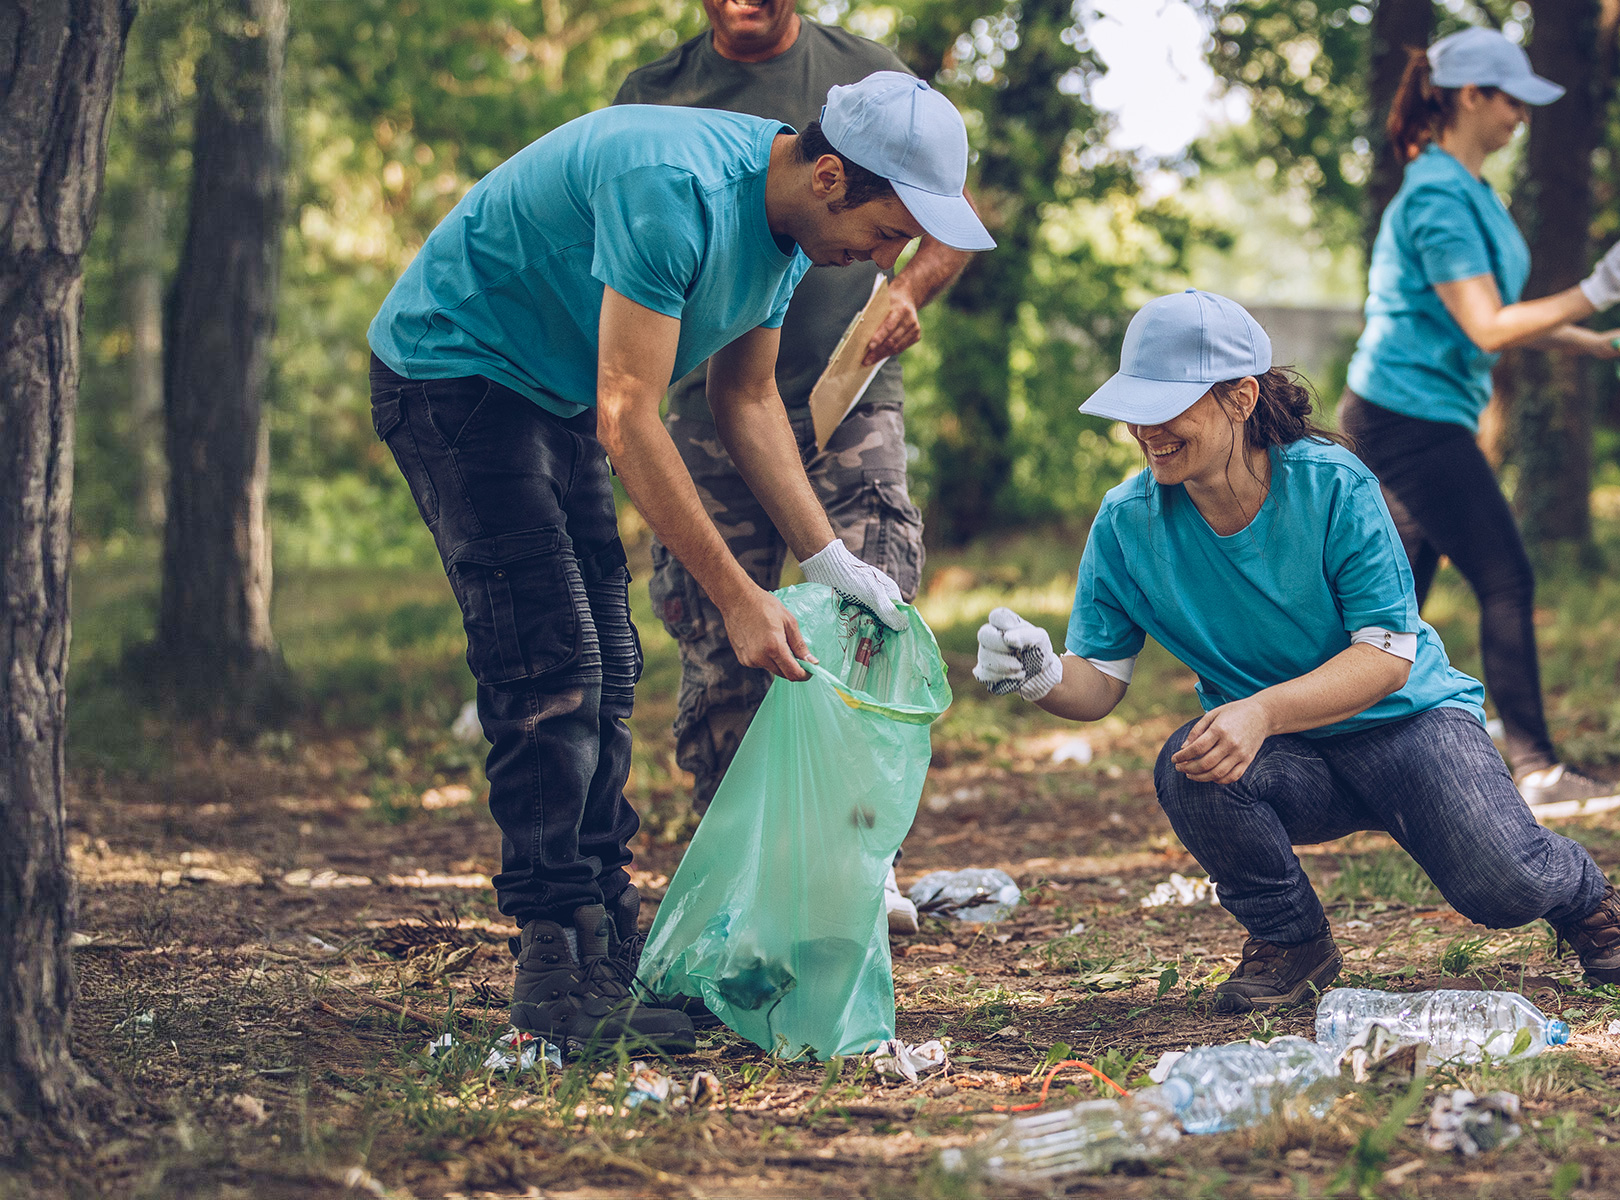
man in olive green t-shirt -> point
(767, 61)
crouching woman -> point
(1259, 552)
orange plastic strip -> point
(1047, 1086)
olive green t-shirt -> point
(790, 88)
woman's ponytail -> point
(1420, 111)
(1282, 412)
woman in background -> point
(1447, 269)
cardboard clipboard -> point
(846, 378)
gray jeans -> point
(1433, 782)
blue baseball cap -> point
(1484, 58)
(897, 126)
(1176, 348)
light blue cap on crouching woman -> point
(1484, 58)
(1175, 348)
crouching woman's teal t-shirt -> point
(664, 205)
(1269, 603)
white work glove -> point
(1016, 656)
(855, 581)
(1602, 286)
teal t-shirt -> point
(1443, 225)
(1272, 602)
(664, 205)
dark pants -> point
(521, 507)
(1445, 500)
(1433, 782)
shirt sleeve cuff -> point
(1401, 645)
(1118, 668)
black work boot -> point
(577, 1001)
(628, 942)
(1276, 976)
(1596, 938)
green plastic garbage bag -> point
(775, 918)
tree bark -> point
(1397, 26)
(1549, 395)
(214, 640)
(59, 61)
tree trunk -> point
(1397, 25)
(214, 639)
(59, 62)
(1549, 395)
(143, 301)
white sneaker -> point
(902, 912)
(1556, 792)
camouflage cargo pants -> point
(861, 481)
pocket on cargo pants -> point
(521, 595)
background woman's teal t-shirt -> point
(664, 205)
(1443, 225)
(1272, 602)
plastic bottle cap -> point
(1178, 1091)
(1557, 1032)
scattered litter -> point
(137, 1023)
(1075, 930)
(250, 1107)
(1180, 890)
(323, 878)
(1377, 1055)
(323, 946)
(647, 1084)
(513, 1050)
(466, 727)
(1161, 1069)
(360, 1179)
(705, 1089)
(976, 894)
(1075, 750)
(1613, 1027)
(1356, 924)
(1468, 1124)
(451, 795)
(940, 801)
(894, 1057)
(1007, 1031)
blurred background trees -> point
(392, 108)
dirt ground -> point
(271, 937)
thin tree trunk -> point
(214, 634)
(59, 61)
(1397, 26)
(1549, 395)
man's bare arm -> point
(634, 363)
(932, 269)
(753, 426)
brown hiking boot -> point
(1596, 938)
(1275, 976)
(577, 1000)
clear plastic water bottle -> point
(1458, 1026)
(1092, 1136)
(1217, 1088)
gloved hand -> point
(855, 581)
(1016, 656)
(1602, 286)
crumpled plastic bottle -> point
(1458, 1026)
(1219, 1088)
(974, 894)
(1091, 1136)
